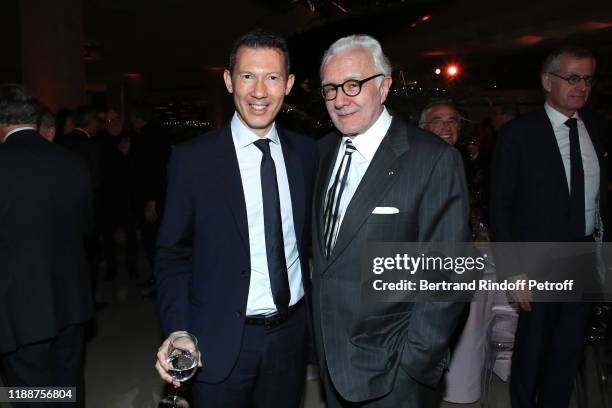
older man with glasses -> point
(549, 185)
(442, 119)
(381, 180)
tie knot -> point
(263, 145)
(571, 123)
(349, 147)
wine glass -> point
(183, 358)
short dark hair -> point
(260, 38)
(17, 105)
(83, 115)
(46, 118)
(551, 62)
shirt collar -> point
(557, 119)
(84, 131)
(18, 130)
(367, 143)
(243, 136)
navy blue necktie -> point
(576, 182)
(275, 244)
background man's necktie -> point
(576, 181)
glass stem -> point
(176, 396)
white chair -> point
(500, 344)
(598, 346)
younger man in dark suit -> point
(232, 266)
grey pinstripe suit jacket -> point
(364, 343)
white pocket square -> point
(385, 210)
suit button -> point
(244, 273)
(238, 314)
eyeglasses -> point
(352, 87)
(575, 79)
(438, 123)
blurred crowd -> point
(127, 162)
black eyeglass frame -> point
(335, 87)
(575, 79)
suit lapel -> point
(594, 136)
(229, 173)
(295, 176)
(378, 178)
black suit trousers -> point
(119, 217)
(406, 392)
(548, 351)
(270, 371)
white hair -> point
(381, 62)
(429, 107)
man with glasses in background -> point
(380, 180)
(549, 184)
(442, 119)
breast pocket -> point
(383, 219)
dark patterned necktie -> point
(273, 225)
(334, 197)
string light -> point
(452, 70)
(186, 123)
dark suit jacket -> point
(530, 200)
(118, 193)
(91, 151)
(203, 262)
(149, 151)
(365, 343)
(45, 211)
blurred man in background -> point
(118, 198)
(548, 185)
(46, 124)
(45, 212)
(442, 119)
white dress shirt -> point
(18, 130)
(590, 162)
(260, 300)
(366, 145)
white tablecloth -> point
(463, 380)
